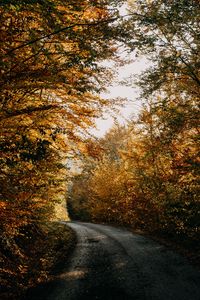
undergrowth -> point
(32, 257)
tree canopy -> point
(148, 173)
(144, 174)
(51, 75)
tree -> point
(50, 53)
(157, 158)
(168, 33)
(50, 80)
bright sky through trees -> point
(135, 67)
(117, 90)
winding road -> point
(114, 264)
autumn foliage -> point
(144, 174)
(147, 176)
(50, 79)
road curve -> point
(113, 264)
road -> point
(114, 264)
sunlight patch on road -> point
(76, 274)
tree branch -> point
(58, 31)
(29, 110)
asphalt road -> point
(114, 264)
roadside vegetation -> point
(33, 257)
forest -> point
(144, 174)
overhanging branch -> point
(29, 110)
(58, 31)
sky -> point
(117, 90)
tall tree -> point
(50, 79)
